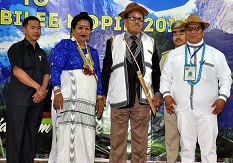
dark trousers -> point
(22, 125)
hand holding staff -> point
(146, 91)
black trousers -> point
(22, 125)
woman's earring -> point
(71, 35)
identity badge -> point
(190, 72)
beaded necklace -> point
(88, 63)
(201, 64)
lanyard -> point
(195, 52)
(201, 63)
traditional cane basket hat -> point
(133, 7)
(194, 18)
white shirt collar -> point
(196, 45)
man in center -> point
(122, 88)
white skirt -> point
(75, 124)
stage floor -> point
(96, 161)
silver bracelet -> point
(56, 88)
(57, 93)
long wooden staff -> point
(142, 81)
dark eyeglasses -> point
(195, 28)
(132, 18)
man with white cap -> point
(123, 89)
(172, 136)
(195, 83)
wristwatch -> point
(56, 88)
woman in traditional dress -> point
(77, 93)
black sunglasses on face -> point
(195, 28)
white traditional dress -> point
(75, 123)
